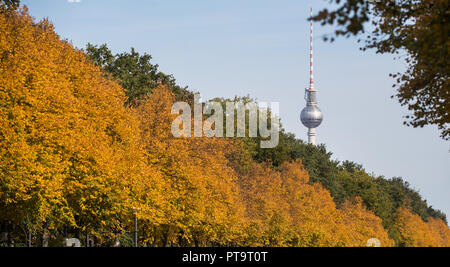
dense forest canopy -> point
(85, 145)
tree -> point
(315, 220)
(420, 29)
(412, 231)
(351, 167)
(70, 150)
(284, 209)
(11, 4)
(441, 231)
(204, 205)
(137, 75)
(363, 224)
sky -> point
(223, 48)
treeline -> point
(345, 180)
(85, 145)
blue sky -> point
(260, 47)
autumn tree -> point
(204, 205)
(363, 225)
(284, 209)
(70, 153)
(265, 209)
(412, 231)
(418, 28)
(441, 232)
(315, 219)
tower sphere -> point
(311, 116)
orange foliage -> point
(69, 152)
(441, 232)
(363, 225)
(414, 232)
(203, 204)
(283, 209)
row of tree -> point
(86, 145)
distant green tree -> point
(419, 29)
(413, 200)
(351, 167)
(137, 75)
(375, 197)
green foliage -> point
(403, 193)
(126, 240)
(137, 75)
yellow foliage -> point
(203, 204)
(363, 225)
(414, 232)
(441, 232)
(69, 150)
(283, 209)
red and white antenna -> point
(311, 71)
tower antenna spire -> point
(311, 67)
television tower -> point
(311, 115)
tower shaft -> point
(312, 136)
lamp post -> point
(136, 237)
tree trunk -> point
(11, 240)
(168, 237)
(45, 238)
(30, 239)
(11, 229)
